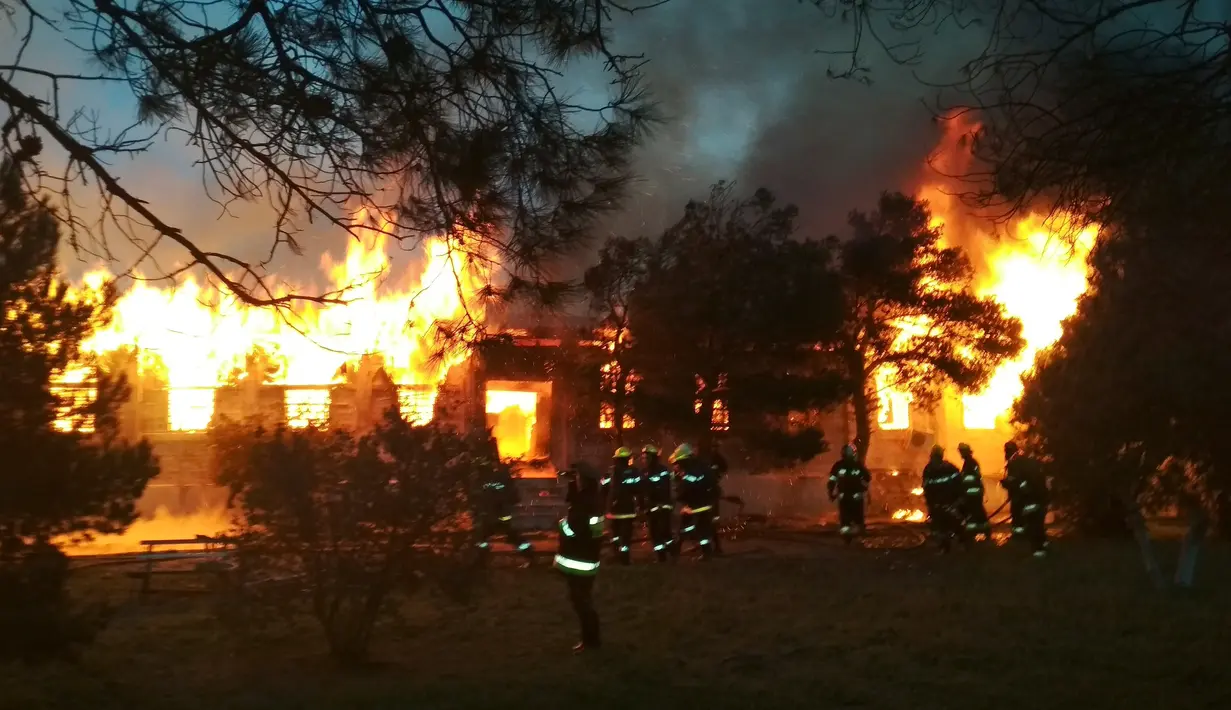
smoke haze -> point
(748, 98)
(745, 96)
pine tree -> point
(54, 483)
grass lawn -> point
(773, 625)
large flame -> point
(197, 338)
(1037, 270)
(193, 339)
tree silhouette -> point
(910, 312)
(448, 116)
(1134, 383)
(352, 522)
(609, 286)
(54, 483)
(727, 315)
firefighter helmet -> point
(848, 452)
(1010, 448)
(681, 453)
(650, 449)
(964, 448)
(938, 451)
(622, 453)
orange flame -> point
(1037, 271)
(197, 338)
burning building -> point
(192, 356)
(1035, 267)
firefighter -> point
(658, 502)
(497, 500)
(1028, 497)
(697, 498)
(581, 536)
(942, 491)
(624, 491)
(1011, 489)
(848, 485)
(975, 514)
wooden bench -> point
(208, 549)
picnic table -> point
(207, 555)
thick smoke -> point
(747, 98)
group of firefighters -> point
(954, 497)
(598, 502)
(653, 490)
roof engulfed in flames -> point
(196, 338)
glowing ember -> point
(909, 516)
(195, 339)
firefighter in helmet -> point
(942, 492)
(973, 512)
(848, 485)
(580, 543)
(1028, 497)
(697, 496)
(658, 503)
(497, 500)
(623, 501)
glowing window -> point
(606, 418)
(720, 420)
(417, 406)
(306, 408)
(516, 416)
(720, 415)
(69, 416)
(610, 386)
(191, 408)
(894, 410)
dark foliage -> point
(728, 307)
(54, 482)
(344, 526)
(1128, 406)
(450, 115)
(909, 311)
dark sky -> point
(745, 95)
(750, 101)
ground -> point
(783, 623)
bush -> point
(38, 619)
(342, 526)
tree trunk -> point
(1136, 523)
(1190, 548)
(863, 422)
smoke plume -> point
(745, 91)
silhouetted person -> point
(580, 539)
(1028, 497)
(942, 492)
(848, 485)
(972, 494)
(658, 501)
